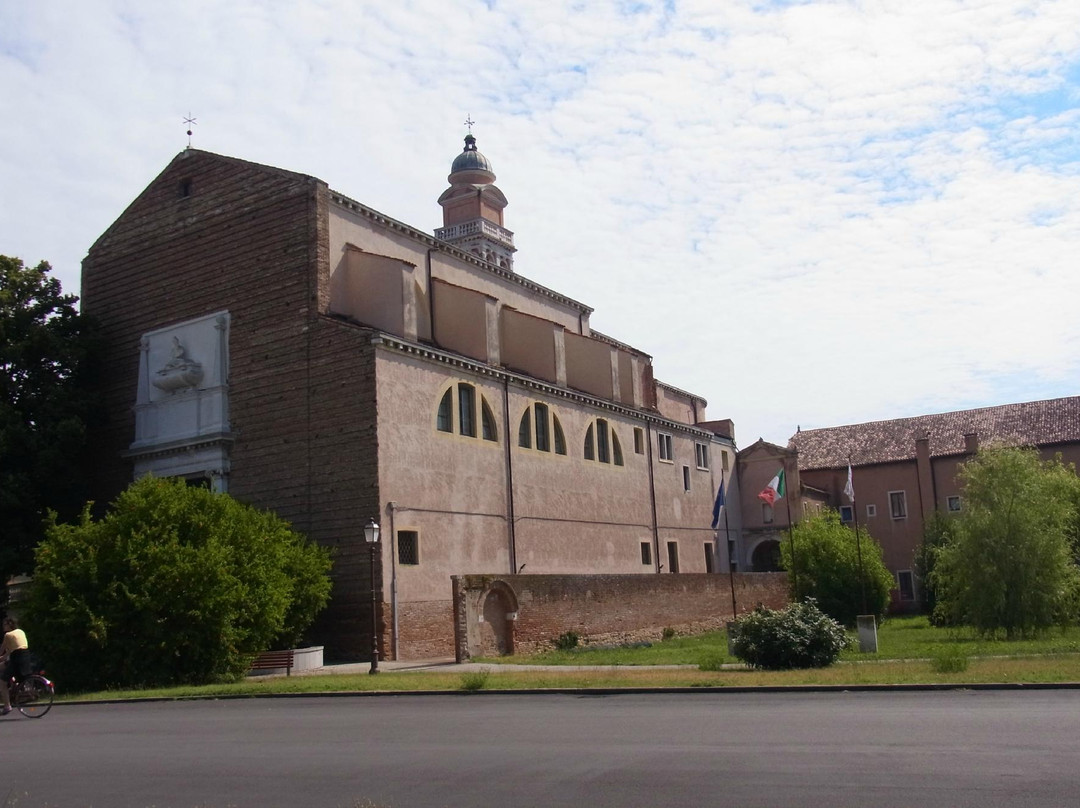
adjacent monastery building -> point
(906, 469)
(273, 338)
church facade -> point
(273, 338)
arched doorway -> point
(766, 557)
(498, 606)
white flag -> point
(849, 489)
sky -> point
(809, 213)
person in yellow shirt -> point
(14, 656)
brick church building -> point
(273, 338)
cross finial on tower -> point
(190, 123)
(469, 122)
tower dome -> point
(473, 209)
(471, 167)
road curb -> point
(600, 691)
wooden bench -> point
(270, 660)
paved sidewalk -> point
(448, 665)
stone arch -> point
(497, 610)
(765, 557)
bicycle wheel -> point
(34, 696)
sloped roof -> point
(1035, 423)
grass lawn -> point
(898, 638)
(907, 651)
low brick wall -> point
(525, 613)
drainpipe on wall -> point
(511, 538)
(430, 296)
(393, 581)
(652, 499)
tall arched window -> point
(602, 444)
(539, 428)
(462, 399)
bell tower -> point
(473, 209)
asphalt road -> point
(956, 748)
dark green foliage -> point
(799, 636)
(46, 364)
(567, 641)
(826, 568)
(938, 531)
(175, 584)
(1010, 568)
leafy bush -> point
(826, 568)
(567, 641)
(174, 585)
(667, 633)
(799, 636)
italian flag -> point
(774, 490)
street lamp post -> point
(371, 536)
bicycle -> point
(32, 695)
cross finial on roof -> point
(190, 123)
(469, 122)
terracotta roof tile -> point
(1036, 423)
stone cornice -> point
(180, 446)
(397, 344)
(430, 241)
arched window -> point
(463, 399)
(602, 444)
(445, 420)
(487, 421)
(525, 430)
(539, 428)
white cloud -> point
(811, 213)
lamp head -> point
(371, 532)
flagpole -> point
(858, 543)
(791, 538)
(730, 562)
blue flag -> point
(717, 506)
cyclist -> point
(14, 656)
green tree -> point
(175, 584)
(46, 363)
(1010, 567)
(938, 531)
(826, 568)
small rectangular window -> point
(766, 513)
(673, 556)
(664, 444)
(871, 511)
(408, 547)
(686, 478)
(846, 514)
(646, 553)
(639, 440)
(709, 558)
(724, 460)
(897, 505)
(906, 583)
(954, 504)
(701, 454)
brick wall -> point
(602, 608)
(213, 233)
